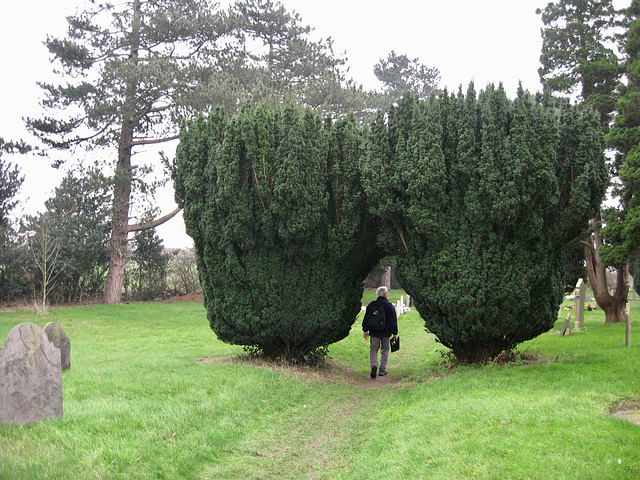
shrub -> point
(273, 201)
(482, 195)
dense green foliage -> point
(623, 224)
(273, 201)
(10, 183)
(579, 54)
(481, 195)
(147, 275)
(11, 256)
(79, 211)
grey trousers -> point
(382, 344)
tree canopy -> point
(481, 195)
(284, 240)
(622, 230)
(579, 51)
(150, 261)
(10, 183)
(10, 254)
(80, 221)
(399, 75)
(130, 72)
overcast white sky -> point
(485, 41)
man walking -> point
(379, 330)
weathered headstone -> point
(57, 336)
(627, 326)
(30, 376)
(580, 298)
(565, 327)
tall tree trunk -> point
(612, 305)
(119, 222)
(122, 187)
(386, 278)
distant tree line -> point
(61, 255)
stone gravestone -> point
(57, 336)
(30, 376)
(580, 298)
(627, 327)
(565, 327)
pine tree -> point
(579, 52)
(131, 70)
(399, 75)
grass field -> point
(151, 394)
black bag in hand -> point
(395, 344)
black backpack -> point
(378, 319)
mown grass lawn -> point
(151, 394)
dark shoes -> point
(374, 371)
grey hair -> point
(381, 291)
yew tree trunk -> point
(386, 278)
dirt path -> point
(331, 372)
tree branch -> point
(157, 140)
(137, 227)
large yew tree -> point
(284, 239)
(481, 196)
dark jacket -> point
(391, 327)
